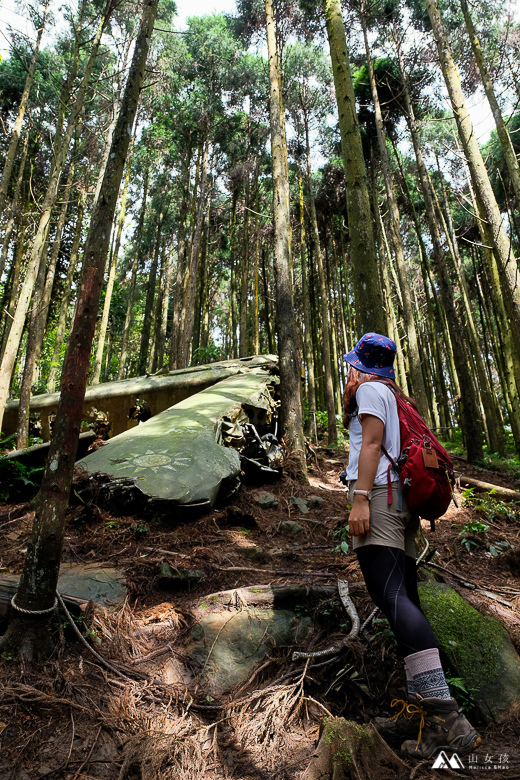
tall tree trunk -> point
(256, 317)
(367, 293)
(168, 275)
(66, 295)
(156, 329)
(41, 302)
(17, 127)
(243, 344)
(509, 346)
(133, 278)
(434, 312)
(267, 316)
(15, 334)
(288, 347)
(144, 346)
(328, 386)
(393, 329)
(28, 632)
(181, 251)
(416, 375)
(501, 244)
(494, 435)
(470, 416)
(14, 212)
(487, 82)
(113, 266)
(16, 270)
(188, 304)
(311, 428)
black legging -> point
(391, 580)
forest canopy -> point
(396, 219)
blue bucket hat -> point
(373, 354)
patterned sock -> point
(410, 685)
(427, 674)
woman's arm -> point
(373, 427)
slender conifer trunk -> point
(367, 293)
(288, 342)
(28, 634)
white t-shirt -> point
(377, 399)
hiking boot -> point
(445, 728)
(405, 723)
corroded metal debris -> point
(191, 452)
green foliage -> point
(322, 420)
(79, 621)
(464, 694)
(495, 162)
(210, 354)
(490, 507)
(17, 481)
(342, 536)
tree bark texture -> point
(38, 320)
(40, 574)
(113, 265)
(38, 244)
(150, 297)
(188, 304)
(311, 429)
(17, 127)
(367, 293)
(501, 243)
(15, 209)
(470, 421)
(417, 381)
(133, 280)
(328, 386)
(288, 344)
(487, 82)
(66, 295)
(349, 751)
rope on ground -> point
(99, 657)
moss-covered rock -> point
(478, 649)
(228, 645)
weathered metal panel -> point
(180, 454)
(160, 391)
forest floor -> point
(71, 718)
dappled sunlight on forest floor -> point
(75, 718)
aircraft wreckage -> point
(115, 406)
(195, 450)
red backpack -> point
(424, 467)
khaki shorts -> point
(388, 527)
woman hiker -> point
(384, 541)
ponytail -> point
(356, 378)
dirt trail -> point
(72, 718)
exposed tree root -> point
(348, 751)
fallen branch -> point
(468, 584)
(502, 493)
(280, 572)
